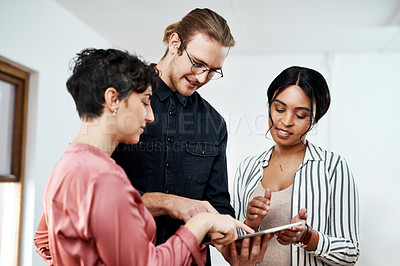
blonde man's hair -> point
(204, 21)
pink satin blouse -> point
(93, 216)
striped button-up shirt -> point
(324, 185)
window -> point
(13, 113)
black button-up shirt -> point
(183, 152)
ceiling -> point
(259, 26)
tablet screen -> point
(271, 230)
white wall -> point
(365, 129)
(362, 123)
(43, 37)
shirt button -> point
(203, 152)
(168, 164)
(171, 113)
(169, 139)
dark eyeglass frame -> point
(211, 72)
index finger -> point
(259, 199)
(244, 251)
(267, 194)
(243, 227)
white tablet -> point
(271, 230)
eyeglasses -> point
(198, 68)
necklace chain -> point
(286, 162)
(282, 164)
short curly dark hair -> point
(95, 70)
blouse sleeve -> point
(124, 236)
(341, 246)
(239, 202)
(248, 174)
(42, 241)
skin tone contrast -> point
(124, 121)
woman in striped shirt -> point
(300, 181)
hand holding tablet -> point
(271, 230)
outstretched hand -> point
(296, 233)
(223, 226)
(177, 207)
(185, 208)
(257, 208)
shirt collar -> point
(264, 159)
(164, 92)
(311, 154)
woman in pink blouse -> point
(89, 203)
